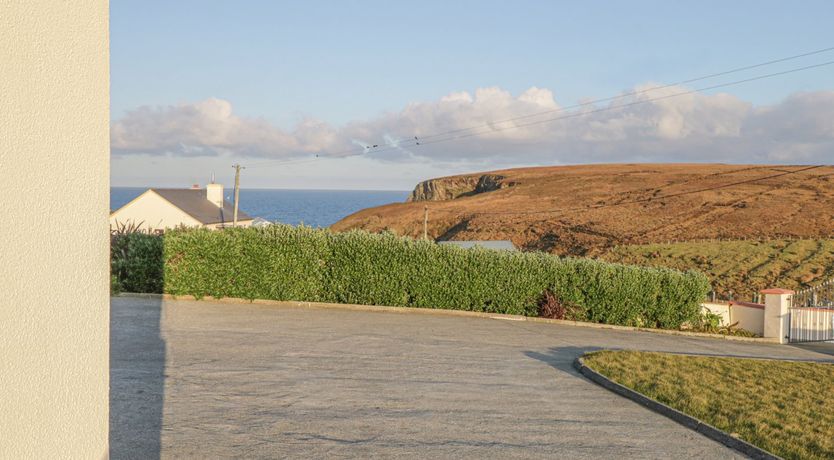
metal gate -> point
(812, 314)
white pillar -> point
(777, 313)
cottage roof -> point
(194, 203)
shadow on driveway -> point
(561, 358)
(137, 378)
(826, 348)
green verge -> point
(282, 262)
(780, 406)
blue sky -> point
(353, 62)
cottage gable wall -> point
(150, 211)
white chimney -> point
(214, 193)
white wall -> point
(54, 253)
(722, 309)
(749, 318)
(152, 212)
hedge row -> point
(299, 263)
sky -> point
(300, 92)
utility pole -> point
(426, 222)
(237, 167)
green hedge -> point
(299, 263)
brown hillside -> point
(583, 209)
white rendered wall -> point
(722, 309)
(152, 212)
(749, 318)
(54, 244)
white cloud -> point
(209, 128)
(637, 127)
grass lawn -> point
(783, 407)
(741, 268)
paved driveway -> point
(208, 380)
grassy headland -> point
(584, 209)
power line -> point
(610, 108)
(416, 141)
(632, 93)
(630, 104)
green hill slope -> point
(739, 269)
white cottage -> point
(162, 208)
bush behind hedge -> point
(281, 262)
(136, 262)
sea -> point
(316, 208)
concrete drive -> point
(209, 380)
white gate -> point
(811, 324)
(812, 314)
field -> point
(778, 406)
(739, 269)
(587, 209)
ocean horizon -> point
(316, 208)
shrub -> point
(299, 263)
(115, 286)
(136, 262)
(552, 307)
(711, 323)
